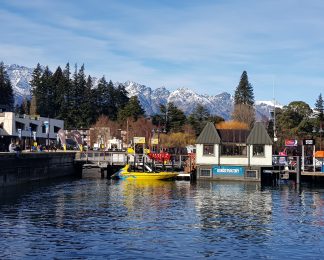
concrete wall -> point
(35, 166)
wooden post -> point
(109, 170)
(298, 171)
(314, 162)
(143, 158)
(180, 161)
(303, 158)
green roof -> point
(259, 135)
(208, 135)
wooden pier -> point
(291, 167)
(110, 162)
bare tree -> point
(244, 113)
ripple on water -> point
(95, 218)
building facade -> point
(26, 128)
(233, 154)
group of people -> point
(14, 147)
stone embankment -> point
(26, 167)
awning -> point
(319, 154)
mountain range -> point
(150, 99)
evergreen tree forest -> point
(73, 98)
(80, 101)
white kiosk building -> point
(233, 154)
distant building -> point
(99, 136)
(84, 132)
(26, 128)
(115, 144)
(233, 154)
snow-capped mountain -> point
(20, 77)
(187, 100)
(150, 99)
(184, 98)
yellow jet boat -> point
(125, 173)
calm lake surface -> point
(93, 218)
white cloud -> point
(201, 45)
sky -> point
(201, 45)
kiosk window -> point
(258, 150)
(208, 149)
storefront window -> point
(205, 172)
(234, 150)
(208, 149)
(258, 150)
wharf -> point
(110, 162)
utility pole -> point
(274, 113)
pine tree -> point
(170, 118)
(36, 77)
(112, 111)
(176, 118)
(6, 96)
(58, 92)
(100, 97)
(65, 90)
(87, 106)
(198, 118)
(35, 84)
(44, 93)
(160, 119)
(132, 109)
(81, 98)
(244, 101)
(319, 107)
(244, 91)
(120, 96)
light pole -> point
(320, 132)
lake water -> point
(95, 218)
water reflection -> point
(233, 211)
(91, 218)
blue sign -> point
(229, 171)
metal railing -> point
(289, 163)
(121, 158)
(99, 157)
